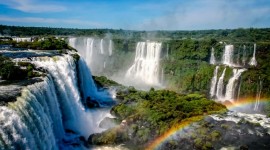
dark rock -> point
(243, 147)
(91, 103)
(70, 131)
(10, 90)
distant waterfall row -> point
(146, 64)
(95, 51)
(143, 72)
(39, 118)
(221, 92)
(228, 57)
(218, 90)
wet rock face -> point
(91, 103)
(10, 90)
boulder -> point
(91, 103)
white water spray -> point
(214, 82)
(228, 55)
(230, 88)
(146, 64)
(101, 47)
(258, 95)
(110, 48)
(212, 58)
(220, 86)
(253, 61)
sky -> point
(137, 14)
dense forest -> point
(240, 35)
(185, 54)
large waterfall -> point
(34, 115)
(40, 117)
(146, 64)
(96, 52)
(231, 90)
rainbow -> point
(156, 143)
(245, 102)
(175, 129)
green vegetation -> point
(9, 71)
(150, 114)
(48, 43)
(102, 81)
(228, 35)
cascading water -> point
(212, 58)
(214, 83)
(89, 50)
(146, 64)
(63, 72)
(96, 52)
(220, 86)
(228, 55)
(38, 119)
(258, 95)
(110, 48)
(230, 88)
(34, 115)
(253, 61)
(72, 42)
(101, 47)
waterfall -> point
(86, 84)
(230, 88)
(34, 121)
(94, 51)
(253, 61)
(220, 85)
(146, 64)
(39, 117)
(214, 83)
(110, 48)
(258, 95)
(228, 55)
(72, 42)
(101, 47)
(89, 50)
(63, 72)
(212, 58)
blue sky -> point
(137, 14)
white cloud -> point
(53, 21)
(32, 6)
(209, 14)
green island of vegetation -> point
(148, 114)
